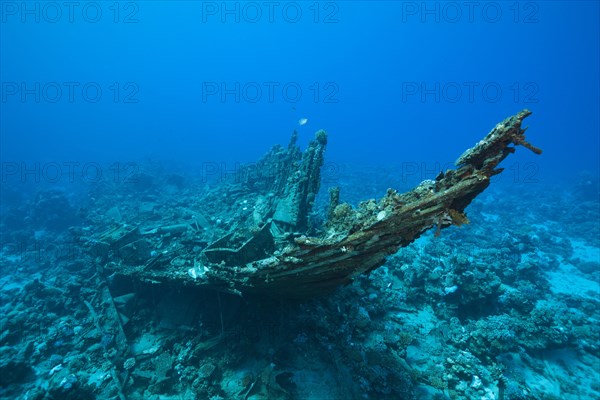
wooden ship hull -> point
(270, 246)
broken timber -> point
(269, 250)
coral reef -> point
(505, 307)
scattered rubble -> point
(114, 305)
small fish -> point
(302, 121)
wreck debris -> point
(267, 248)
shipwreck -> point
(271, 246)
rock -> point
(12, 372)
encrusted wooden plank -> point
(352, 241)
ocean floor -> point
(506, 307)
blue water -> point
(96, 95)
(390, 81)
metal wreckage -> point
(270, 246)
